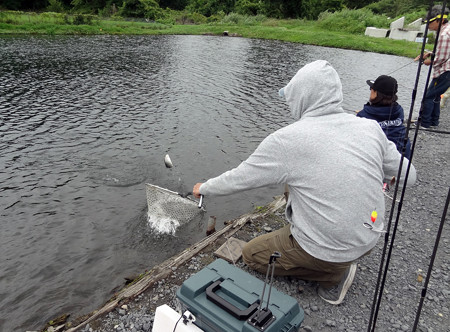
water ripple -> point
(85, 122)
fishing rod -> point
(378, 294)
(277, 123)
(437, 131)
(381, 282)
(390, 73)
(430, 267)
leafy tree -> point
(111, 8)
(248, 7)
(356, 4)
(141, 8)
(173, 4)
(88, 6)
(210, 7)
(12, 4)
(25, 4)
(312, 8)
(55, 6)
(281, 8)
(395, 8)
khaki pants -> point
(294, 260)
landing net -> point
(167, 209)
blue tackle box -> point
(224, 298)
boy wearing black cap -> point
(441, 67)
(383, 108)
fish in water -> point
(167, 161)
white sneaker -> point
(336, 294)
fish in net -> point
(167, 210)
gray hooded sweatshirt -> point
(333, 162)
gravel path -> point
(414, 241)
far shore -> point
(297, 31)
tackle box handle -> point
(227, 306)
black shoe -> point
(336, 294)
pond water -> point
(85, 122)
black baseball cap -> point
(387, 85)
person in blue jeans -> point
(383, 108)
(431, 109)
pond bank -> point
(296, 31)
(415, 238)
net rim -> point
(171, 192)
(161, 189)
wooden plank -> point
(231, 250)
(166, 268)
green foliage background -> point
(156, 9)
(332, 23)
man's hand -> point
(425, 59)
(196, 190)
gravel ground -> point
(418, 226)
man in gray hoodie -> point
(334, 164)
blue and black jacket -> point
(390, 118)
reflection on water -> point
(85, 122)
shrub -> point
(232, 18)
(412, 16)
(80, 19)
(57, 18)
(167, 16)
(431, 38)
(181, 17)
(55, 6)
(216, 17)
(248, 7)
(197, 18)
(210, 7)
(383, 6)
(108, 11)
(396, 8)
(141, 8)
(311, 9)
(352, 21)
(235, 18)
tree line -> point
(152, 9)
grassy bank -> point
(298, 31)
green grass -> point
(297, 31)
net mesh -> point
(167, 209)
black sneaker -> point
(336, 294)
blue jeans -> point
(431, 104)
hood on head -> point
(315, 90)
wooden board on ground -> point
(167, 267)
(231, 250)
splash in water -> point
(162, 225)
